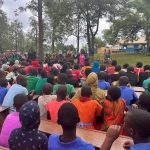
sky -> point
(10, 6)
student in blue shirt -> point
(3, 89)
(102, 84)
(68, 118)
(136, 125)
(127, 93)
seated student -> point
(32, 80)
(88, 109)
(62, 79)
(13, 74)
(144, 75)
(28, 136)
(113, 108)
(97, 93)
(50, 79)
(45, 98)
(71, 80)
(3, 89)
(96, 67)
(103, 67)
(132, 76)
(53, 106)
(40, 83)
(64, 68)
(127, 93)
(102, 84)
(139, 68)
(136, 125)
(86, 66)
(124, 67)
(18, 88)
(146, 83)
(115, 75)
(68, 118)
(111, 69)
(12, 120)
(76, 72)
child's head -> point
(33, 72)
(137, 125)
(86, 91)
(130, 69)
(123, 81)
(144, 101)
(62, 78)
(114, 63)
(19, 100)
(62, 92)
(47, 89)
(3, 82)
(114, 93)
(87, 71)
(102, 75)
(139, 65)
(21, 80)
(125, 66)
(43, 74)
(102, 67)
(76, 66)
(117, 68)
(68, 116)
(51, 80)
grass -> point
(131, 59)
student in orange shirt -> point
(114, 108)
(53, 106)
(88, 109)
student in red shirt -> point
(139, 68)
(76, 71)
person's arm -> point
(112, 134)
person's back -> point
(12, 120)
(18, 88)
(88, 109)
(68, 118)
(53, 106)
(3, 89)
(32, 80)
(28, 136)
(40, 82)
(113, 108)
(45, 98)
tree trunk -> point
(53, 38)
(36, 39)
(88, 35)
(78, 35)
(40, 23)
(148, 40)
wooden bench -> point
(91, 136)
(138, 89)
(4, 111)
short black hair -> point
(54, 71)
(19, 100)
(102, 75)
(88, 71)
(123, 81)
(139, 65)
(43, 74)
(144, 101)
(62, 92)
(146, 67)
(62, 78)
(130, 69)
(117, 68)
(33, 72)
(68, 116)
(114, 93)
(122, 73)
(125, 66)
(3, 82)
(86, 91)
(102, 67)
(21, 80)
(51, 80)
(139, 120)
(114, 63)
(47, 89)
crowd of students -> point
(86, 96)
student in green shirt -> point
(32, 80)
(146, 83)
(41, 82)
(62, 81)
